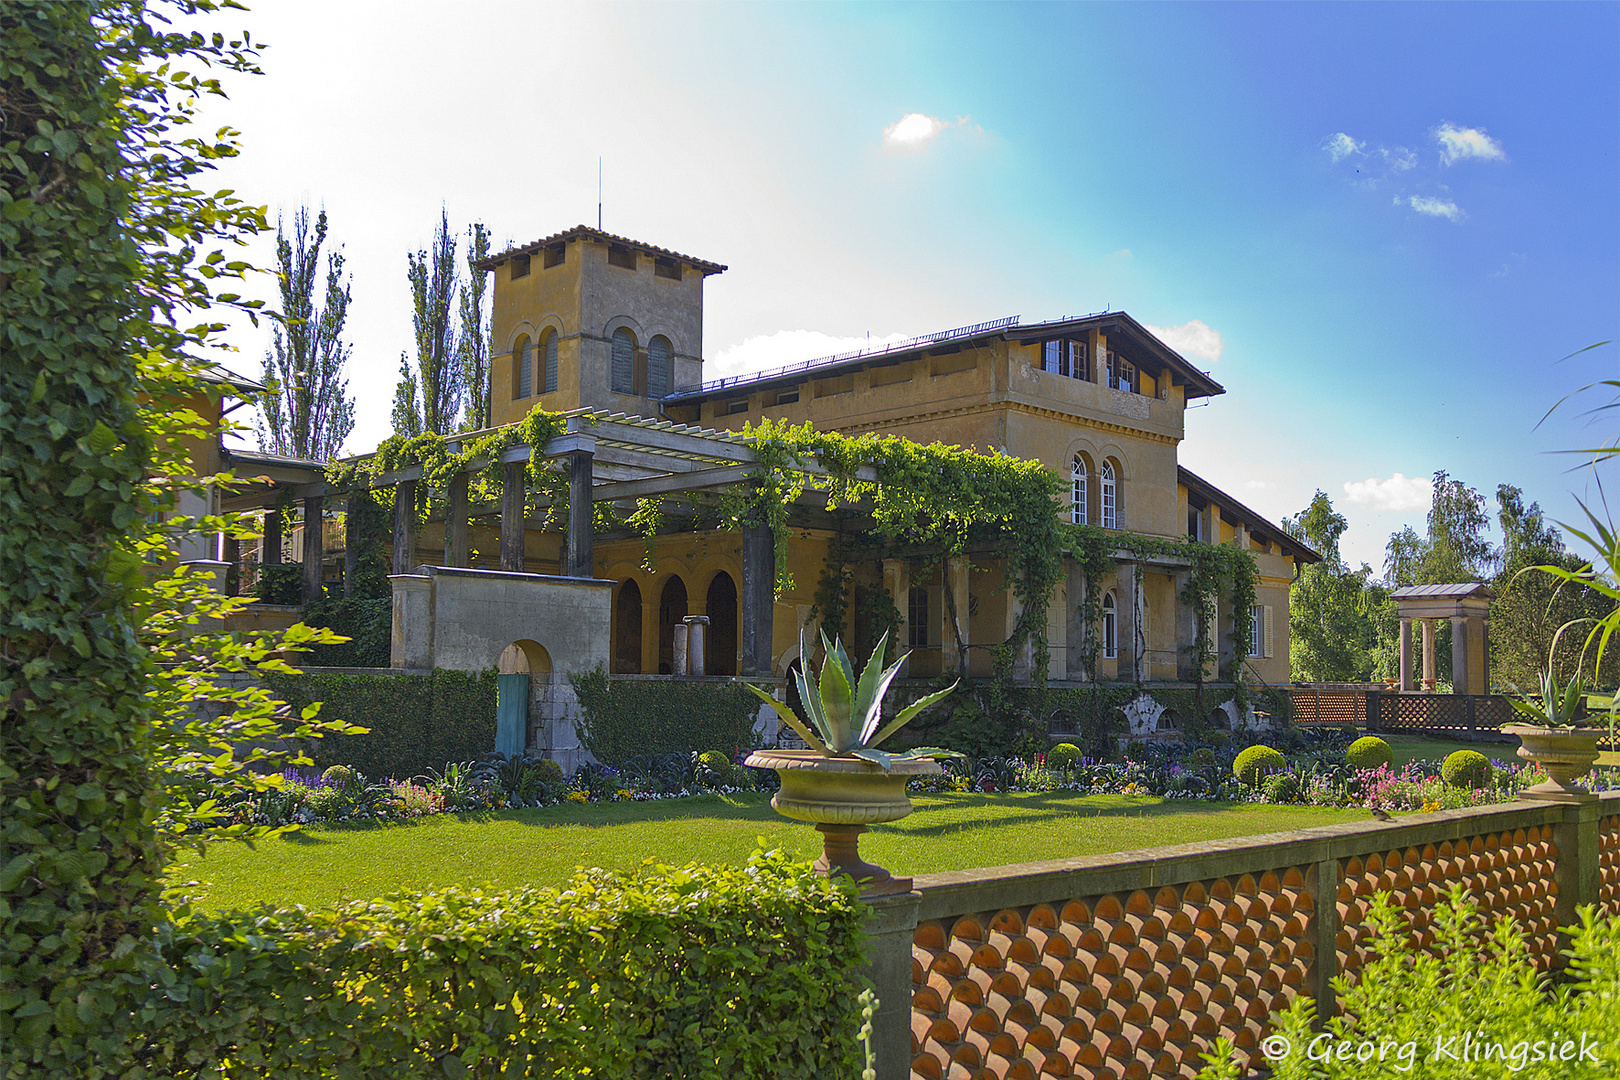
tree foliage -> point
(434, 401)
(1333, 629)
(307, 412)
(475, 330)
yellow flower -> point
(578, 796)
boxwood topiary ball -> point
(1466, 769)
(1257, 761)
(1063, 756)
(338, 776)
(1369, 752)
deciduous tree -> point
(475, 328)
(439, 385)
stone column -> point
(1428, 653)
(231, 555)
(679, 630)
(314, 549)
(411, 640)
(757, 604)
(1078, 633)
(351, 539)
(891, 921)
(514, 496)
(1577, 872)
(1024, 659)
(1186, 630)
(1406, 654)
(1126, 668)
(695, 635)
(897, 583)
(952, 654)
(271, 543)
(581, 562)
(1459, 655)
(404, 526)
(455, 522)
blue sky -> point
(1378, 225)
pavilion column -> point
(682, 655)
(1186, 631)
(514, 497)
(271, 542)
(1126, 668)
(1078, 634)
(1459, 655)
(897, 583)
(455, 522)
(1406, 655)
(404, 526)
(954, 639)
(1428, 653)
(695, 643)
(581, 562)
(351, 539)
(757, 632)
(314, 549)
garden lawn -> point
(1416, 747)
(506, 849)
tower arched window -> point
(523, 368)
(1110, 627)
(548, 353)
(660, 374)
(623, 372)
(1110, 497)
(1079, 478)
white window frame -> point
(1079, 485)
(1110, 497)
(1257, 622)
(1110, 627)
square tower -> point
(586, 319)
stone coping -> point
(990, 888)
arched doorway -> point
(720, 647)
(522, 686)
(671, 610)
(627, 630)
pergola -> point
(1468, 606)
(608, 458)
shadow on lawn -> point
(1044, 806)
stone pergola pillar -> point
(682, 653)
(1077, 633)
(897, 583)
(756, 629)
(404, 526)
(1126, 667)
(954, 635)
(581, 561)
(351, 539)
(1428, 654)
(694, 643)
(272, 537)
(1406, 655)
(314, 549)
(514, 496)
(455, 521)
(1459, 654)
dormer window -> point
(1121, 373)
(621, 256)
(667, 268)
(1065, 358)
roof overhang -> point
(585, 232)
(1233, 510)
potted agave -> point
(1557, 739)
(844, 783)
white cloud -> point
(913, 131)
(1341, 146)
(1193, 337)
(785, 347)
(1122, 253)
(1398, 158)
(1458, 143)
(1394, 492)
(1423, 204)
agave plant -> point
(1554, 706)
(846, 711)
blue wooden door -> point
(511, 713)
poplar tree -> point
(475, 331)
(439, 385)
(307, 412)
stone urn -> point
(841, 796)
(1566, 753)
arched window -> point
(548, 351)
(624, 362)
(1110, 497)
(659, 359)
(627, 630)
(1110, 628)
(1077, 496)
(522, 369)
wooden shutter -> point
(525, 373)
(551, 364)
(658, 367)
(624, 362)
(1268, 631)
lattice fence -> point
(1112, 987)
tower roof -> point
(585, 232)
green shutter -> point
(624, 356)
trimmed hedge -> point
(1257, 762)
(417, 722)
(621, 719)
(1466, 769)
(707, 972)
(1369, 752)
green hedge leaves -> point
(417, 722)
(702, 972)
(624, 718)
